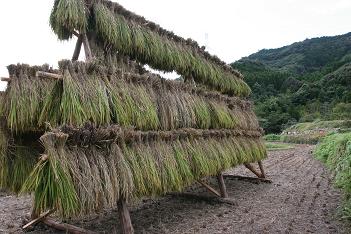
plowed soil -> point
(301, 199)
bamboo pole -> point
(38, 219)
(256, 179)
(209, 188)
(124, 216)
(6, 79)
(76, 34)
(253, 170)
(88, 53)
(48, 75)
(261, 169)
(68, 228)
(78, 48)
(222, 186)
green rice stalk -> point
(67, 16)
(151, 178)
(183, 161)
(136, 170)
(71, 109)
(160, 53)
(220, 117)
(4, 161)
(51, 181)
(51, 105)
(202, 113)
(52, 189)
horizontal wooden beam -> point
(256, 179)
(67, 228)
(6, 79)
(48, 75)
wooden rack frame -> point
(123, 211)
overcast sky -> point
(231, 29)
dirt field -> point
(301, 199)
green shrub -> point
(311, 139)
(272, 137)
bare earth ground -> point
(301, 199)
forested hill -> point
(303, 81)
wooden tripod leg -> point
(77, 48)
(222, 186)
(65, 227)
(263, 175)
(87, 50)
(253, 170)
(209, 188)
(37, 218)
(126, 223)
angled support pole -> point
(38, 219)
(253, 170)
(222, 186)
(45, 219)
(263, 175)
(77, 48)
(88, 53)
(124, 216)
(209, 188)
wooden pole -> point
(6, 79)
(77, 48)
(261, 169)
(124, 216)
(222, 186)
(76, 34)
(253, 179)
(87, 49)
(252, 169)
(190, 80)
(38, 219)
(68, 228)
(48, 75)
(209, 188)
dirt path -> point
(301, 199)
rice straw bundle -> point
(131, 165)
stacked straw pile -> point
(108, 129)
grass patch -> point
(318, 124)
(278, 146)
(272, 137)
(335, 152)
(310, 139)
